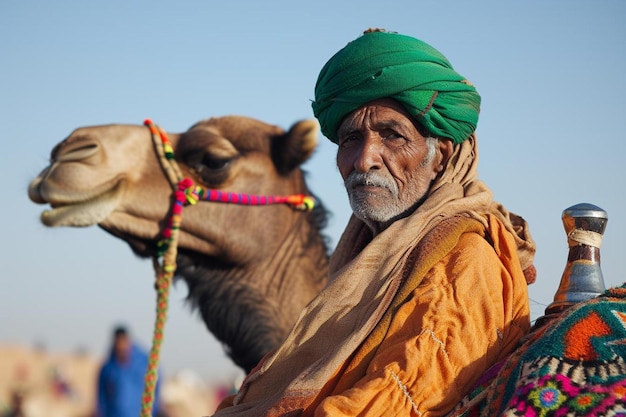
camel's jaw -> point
(76, 211)
(143, 248)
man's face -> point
(384, 161)
(121, 347)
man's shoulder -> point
(470, 244)
(138, 352)
(471, 235)
(473, 241)
(107, 368)
(451, 232)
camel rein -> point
(186, 193)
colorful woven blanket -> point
(572, 364)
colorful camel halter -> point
(186, 193)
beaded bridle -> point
(186, 193)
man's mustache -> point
(371, 179)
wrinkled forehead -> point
(378, 114)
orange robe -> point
(468, 313)
(462, 307)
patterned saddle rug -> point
(571, 364)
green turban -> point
(389, 65)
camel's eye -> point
(214, 164)
(210, 169)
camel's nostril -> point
(33, 191)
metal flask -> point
(582, 278)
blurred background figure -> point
(60, 384)
(121, 379)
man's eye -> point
(391, 135)
(346, 141)
(394, 139)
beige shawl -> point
(365, 276)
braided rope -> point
(185, 193)
(297, 201)
(165, 270)
(165, 153)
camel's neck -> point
(298, 269)
(250, 308)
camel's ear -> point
(296, 146)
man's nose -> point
(370, 155)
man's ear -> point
(445, 148)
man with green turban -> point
(403, 68)
(428, 285)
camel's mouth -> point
(84, 213)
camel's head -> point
(250, 269)
(110, 176)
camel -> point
(249, 270)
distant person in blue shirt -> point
(121, 379)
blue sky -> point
(552, 76)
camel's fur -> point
(250, 270)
